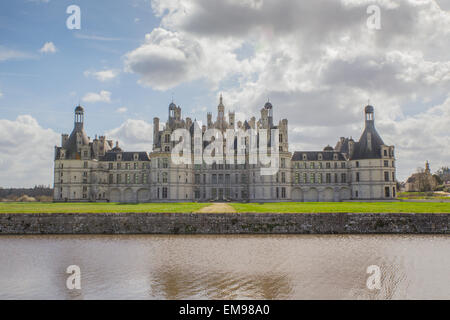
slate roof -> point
(71, 144)
(314, 156)
(368, 149)
(126, 156)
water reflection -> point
(225, 267)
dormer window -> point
(136, 156)
(320, 156)
(385, 152)
(304, 156)
(335, 156)
(119, 157)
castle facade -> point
(97, 170)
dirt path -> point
(217, 208)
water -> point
(225, 267)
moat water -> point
(225, 267)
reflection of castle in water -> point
(88, 170)
(177, 283)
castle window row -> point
(319, 165)
(317, 178)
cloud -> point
(316, 60)
(1, 94)
(103, 96)
(133, 135)
(103, 75)
(122, 110)
(27, 152)
(95, 37)
(10, 54)
(167, 59)
(48, 47)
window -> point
(393, 192)
(110, 166)
(357, 164)
(164, 192)
(283, 192)
(110, 178)
(118, 178)
(127, 166)
(165, 163)
(164, 177)
(244, 178)
(386, 176)
(167, 149)
(356, 194)
(214, 178)
(136, 178)
(118, 166)
(328, 165)
(283, 177)
(144, 178)
(328, 178)
(128, 178)
(311, 165)
(343, 165)
(393, 164)
(320, 165)
(227, 178)
(304, 178)
(393, 176)
(386, 163)
(312, 178)
(297, 177)
(319, 178)
(278, 192)
(283, 162)
(357, 177)
(197, 179)
(197, 193)
(335, 178)
(385, 153)
(221, 178)
(213, 193)
(280, 138)
(343, 178)
(386, 192)
(167, 138)
(85, 164)
(85, 154)
(135, 166)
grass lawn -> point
(188, 207)
(49, 207)
(364, 207)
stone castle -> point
(97, 170)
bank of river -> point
(224, 223)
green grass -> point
(188, 207)
(422, 196)
(355, 207)
(49, 207)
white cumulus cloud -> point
(133, 135)
(27, 152)
(102, 75)
(102, 96)
(48, 47)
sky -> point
(318, 61)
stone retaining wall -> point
(224, 223)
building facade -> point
(97, 170)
